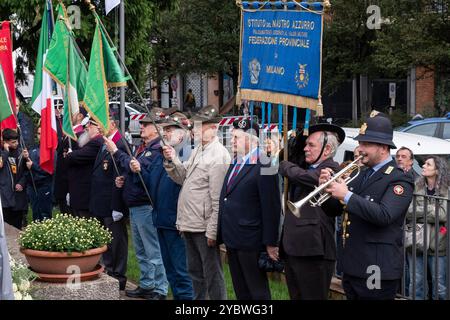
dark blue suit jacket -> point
(376, 213)
(104, 196)
(249, 212)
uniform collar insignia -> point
(389, 170)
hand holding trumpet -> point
(337, 188)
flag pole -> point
(92, 8)
(122, 53)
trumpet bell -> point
(294, 209)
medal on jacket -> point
(345, 223)
(105, 165)
(12, 163)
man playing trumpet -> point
(308, 244)
(374, 205)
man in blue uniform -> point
(374, 206)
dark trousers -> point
(81, 213)
(173, 252)
(115, 259)
(357, 289)
(204, 267)
(41, 202)
(14, 217)
(63, 207)
(308, 278)
(249, 281)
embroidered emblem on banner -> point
(255, 69)
(301, 76)
(398, 190)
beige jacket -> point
(201, 178)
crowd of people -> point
(185, 194)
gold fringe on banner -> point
(280, 98)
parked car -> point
(421, 146)
(432, 127)
(130, 109)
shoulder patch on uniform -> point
(398, 190)
(389, 170)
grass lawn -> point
(278, 288)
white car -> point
(421, 146)
(132, 110)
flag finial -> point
(91, 6)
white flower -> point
(17, 296)
(24, 285)
(15, 289)
(27, 297)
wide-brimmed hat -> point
(208, 114)
(158, 115)
(377, 129)
(178, 119)
(330, 128)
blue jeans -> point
(41, 202)
(173, 250)
(148, 252)
(439, 282)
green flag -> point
(67, 67)
(104, 71)
(5, 102)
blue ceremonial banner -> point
(281, 57)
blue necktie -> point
(367, 175)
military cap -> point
(247, 126)
(208, 114)
(377, 129)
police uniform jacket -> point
(313, 234)
(249, 209)
(374, 230)
(103, 190)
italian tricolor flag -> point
(42, 101)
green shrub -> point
(65, 233)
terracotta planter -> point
(57, 262)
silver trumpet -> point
(317, 197)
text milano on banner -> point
(281, 57)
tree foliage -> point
(412, 33)
(198, 36)
(27, 16)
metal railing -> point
(425, 266)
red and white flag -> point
(42, 101)
(8, 73)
